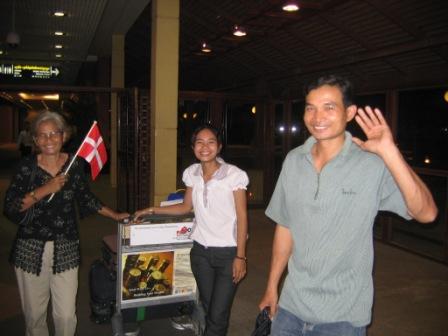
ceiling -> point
(88, 27)
(377, 43)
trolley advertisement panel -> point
(156, 274)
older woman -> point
(45, 252)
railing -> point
(429, 240)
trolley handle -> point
(157, 218)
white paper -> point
(167, 233)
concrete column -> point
(164, 98)
(116, 81)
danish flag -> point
(93, 150)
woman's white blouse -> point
(214, 203)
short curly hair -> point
(48, 116)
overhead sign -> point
(29, 71)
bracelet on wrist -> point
(32, 194)
(241, 258)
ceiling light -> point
(239, 31)
(291, 6)
(1, 52)
(53, 96)
(38, 96)
(59, 33)
(206, 48)
(58, 55)
(58, 46)
(59, 14)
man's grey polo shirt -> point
(330, 216)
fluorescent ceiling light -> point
(33, 96)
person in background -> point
(25, 141)
(45, 252)
(327, 196)
(216, 191)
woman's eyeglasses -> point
(51, 135)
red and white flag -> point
(93, 150)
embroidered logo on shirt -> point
(348, 192)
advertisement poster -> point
(157, 273)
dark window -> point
(191, 114)
(240, 121)
(279, 124)
(298, 130)
(423, 127)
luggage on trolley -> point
(153, 274)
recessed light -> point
(58, 55)
(59, 33)
(206, 48)
(239, 31)
(58, 46)
(291, 6)
(1, 52)
(59, 14)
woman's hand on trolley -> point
(121, 215)
(139, 213)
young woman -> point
(216, 191)
(45, 252)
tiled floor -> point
(411, 293)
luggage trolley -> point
(154, 277)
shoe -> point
(182, 322)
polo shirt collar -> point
(306, 148)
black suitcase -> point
(102, 284)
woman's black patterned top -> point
(51, 221)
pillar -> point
(164, 98)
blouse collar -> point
(218, 174)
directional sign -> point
(29, 71)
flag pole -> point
(74, 156)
